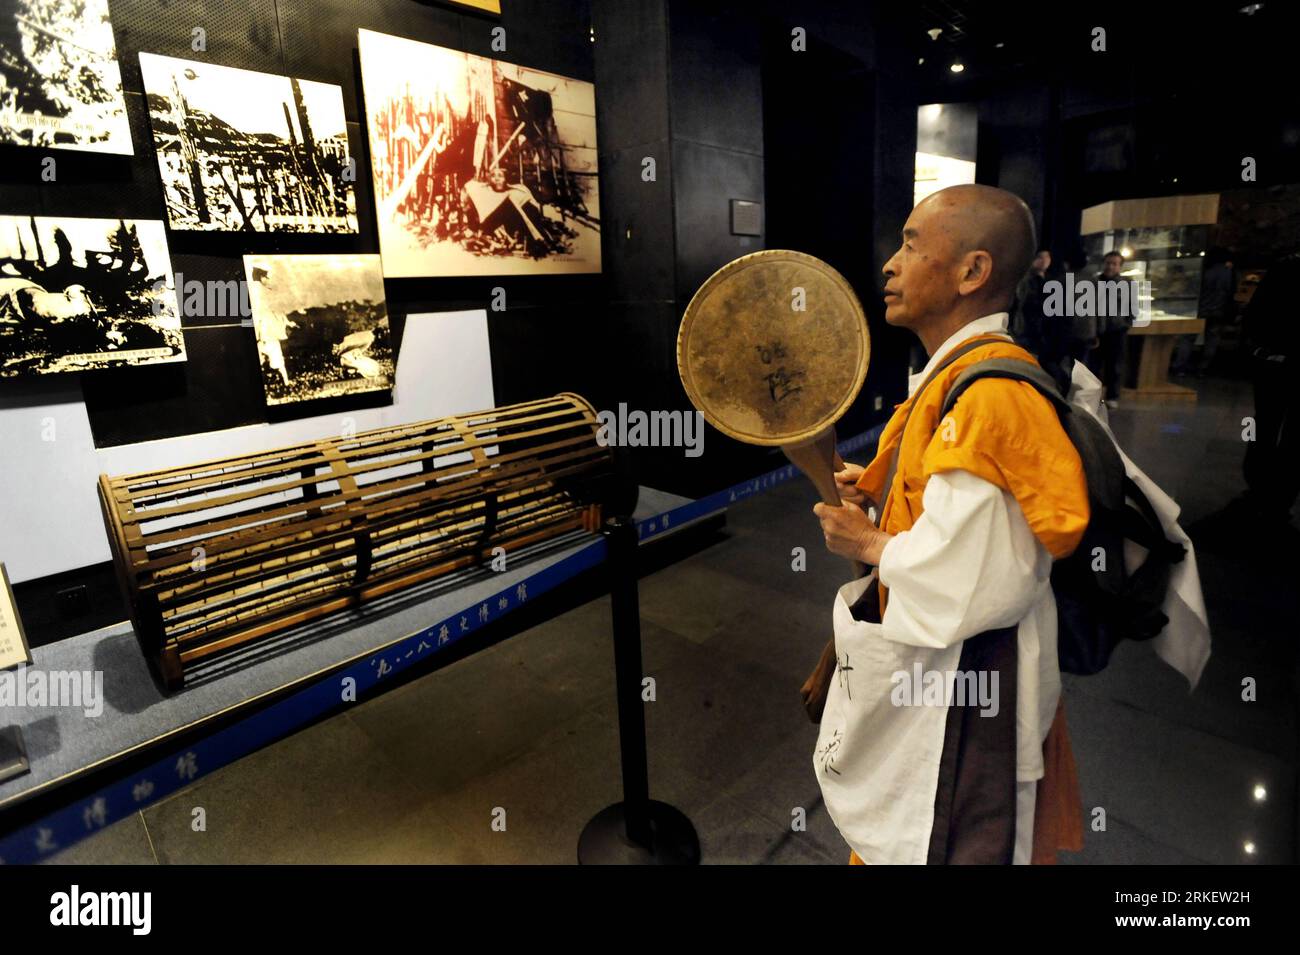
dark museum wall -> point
(1172, 105)
(715, 94)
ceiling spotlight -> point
(935, 33)
(1251, 9)
(1248, 847)
(1127, 253)
(921, 61)
(1260, 792)
(957, 67)
(999, 45)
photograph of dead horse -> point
(79, 294)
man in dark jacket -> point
(1112, 330)
(1030, 325)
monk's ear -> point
(975, 272)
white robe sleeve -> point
(969, 564)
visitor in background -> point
(1029, 326)
(1112, 331)
(1081, 340)
(1216, 306)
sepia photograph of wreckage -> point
(480, 167)
(322, 325)
(241, 151)
(60, 86)
(83, 294)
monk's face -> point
(921, 278)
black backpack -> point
(1098, 603)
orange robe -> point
(1007, 434)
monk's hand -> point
(849, 532)
(847, 481)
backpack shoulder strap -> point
(965, 347)
(1014, 369)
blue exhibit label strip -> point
(129, 794)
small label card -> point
(13, 642)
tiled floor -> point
(525, 731)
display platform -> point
(1156, 352)
(88, 771)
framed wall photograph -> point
(82, 294)
(60, 85)
(479, 167)
(321, 324)
(241, 151)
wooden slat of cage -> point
(138, 514)
(147, 489)
(186, 602)
(189, 653)
(246, 538)
(506, 412)
(216, 555)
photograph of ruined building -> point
(322, 325)
(480, 167)
(82, 294)
(60, 86)
(241, 151)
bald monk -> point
(931, 747)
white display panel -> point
(50, 520)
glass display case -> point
(1164, 240)
(1169, 257)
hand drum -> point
(773, 349)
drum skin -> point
(773, 348)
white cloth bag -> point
(896, 749)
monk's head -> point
(964, 250)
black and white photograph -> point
(321, 324)
(60, 86)
(480, 167)
(81, 294)
(241, 151)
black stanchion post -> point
(638, 830)
(625, 609)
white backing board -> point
(50, 520)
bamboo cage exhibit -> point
(215, 555)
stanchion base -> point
(13, 754)
(604, 840)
